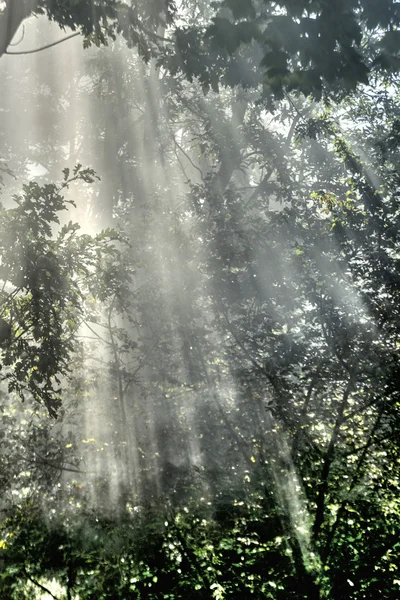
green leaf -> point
(240, 9)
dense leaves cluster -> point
(46, 280)
(312, 46)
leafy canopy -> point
(48, 272)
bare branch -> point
(68, 37)
(14, 13)
(39, 585)
(328, 460)
(188, 157)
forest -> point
(199, 300)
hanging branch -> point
(39, 585)
(188, 157)
(68, 37)
(11, 17)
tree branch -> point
(188, 157)
(68, 37)
(11, 18)
(326, 467)
(60, 467)
(304, 409)
(230, 163)
(353, 483)
(39, 585)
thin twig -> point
(188, 157)
(39, 585)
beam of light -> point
(139, 437)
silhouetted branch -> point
(326, 467)
(39, 585)
(188, 157)
(68, 37)
(230, 161)
(11, 17)
(58, 467)
(354, 480)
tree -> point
(251, 399)
(45, 282)
(308, 46)
(96, 22)
(312, 47)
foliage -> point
(231, 427)
(97, 21)
(309, 46)
(312, 47)
(46, 282)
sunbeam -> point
(199, 232)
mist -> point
(198, 310)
